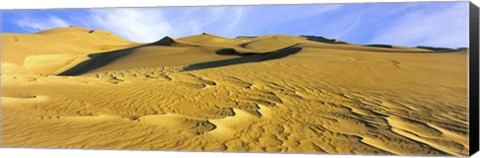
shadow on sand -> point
(98, 60)
(244, 57)
(323, 39)
(441, 49)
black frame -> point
(473, 79)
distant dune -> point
(68, 43)
(79, 88)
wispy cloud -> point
(339, 28)
(443, 24)
(441, 27)
(353, 23)
(151, 24)
(234, 21)
(139, 24)
(321, 9)
(35, 25)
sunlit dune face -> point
(275, 93)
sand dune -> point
(273, 93)
(74, 41)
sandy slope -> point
(47, 52)
(272, 93)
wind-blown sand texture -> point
(76, 88)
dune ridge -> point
(273, 93)
(241, 48)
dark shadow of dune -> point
(441, 49)
(433, 49)
(231, 51)
(323, 39)
(379, 45)
(335, 41)
(98, 60)
(244, 58)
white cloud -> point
(350, 27)
(151, 24)
(339, 28)
(41, 24)
(140, 24)
(442, 28)
(231, 19)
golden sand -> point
(273, 93)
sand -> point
(53, 51)
(68, 88)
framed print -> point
(349, 78)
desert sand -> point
(79, 88)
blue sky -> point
(441, 24)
